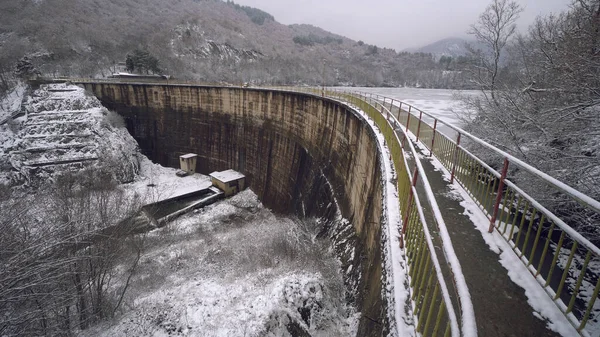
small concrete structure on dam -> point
(300, 153)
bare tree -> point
(59, 252)
(494, 29)
(544, 105)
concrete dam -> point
(301, 154)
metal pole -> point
(399, 110)
(419, 126)
(408, 119)
(498, 196)
(433, 137)
(455, 158)
(410, 197)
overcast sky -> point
(397, 24)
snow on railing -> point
(430, 293)
(507, 206)
(468, 325)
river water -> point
(444, 104)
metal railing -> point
(563, 261)
(432, 304)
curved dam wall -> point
(300, 153)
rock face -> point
(299, 153)
(65, 129)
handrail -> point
(507, 205)
(468, 315)
(468, 312)
(586, 200)
(594, 204)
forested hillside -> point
(206, 40)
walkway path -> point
(501, 307)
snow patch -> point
(539, 300)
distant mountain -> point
(452, 46)
(202, 40)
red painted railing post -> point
(498, 196)
(419, 126)
(410, 197)
(455, 159)
(408, 118)
(433, 136)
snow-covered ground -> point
(11, 104)
(63, 129)
(230, 269)
(155, 182)
(235, 269)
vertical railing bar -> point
(508, 205)
(486, 195)
(412, 244)
(455, 158)
(419, 289)
(414, 183)
(431, 307)
(444, 157)
(447, 333)
(489, 203)
(590, 305)
(514, 222)
(566, 271)
(424, 303)
(537, 239)
(523, 218)
(399, 110)
(419, 126)
(425, 273)
(449, 153)
(479, 184)
(545, 250)
(418, 237)
(438, 320)
(433, 136)
(418, 262)
(588, 256)
(555, 259)
(463, 168)
(526, 241)
(499, 196)
(474, 180)
(408, 119)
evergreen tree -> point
(142, 61)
